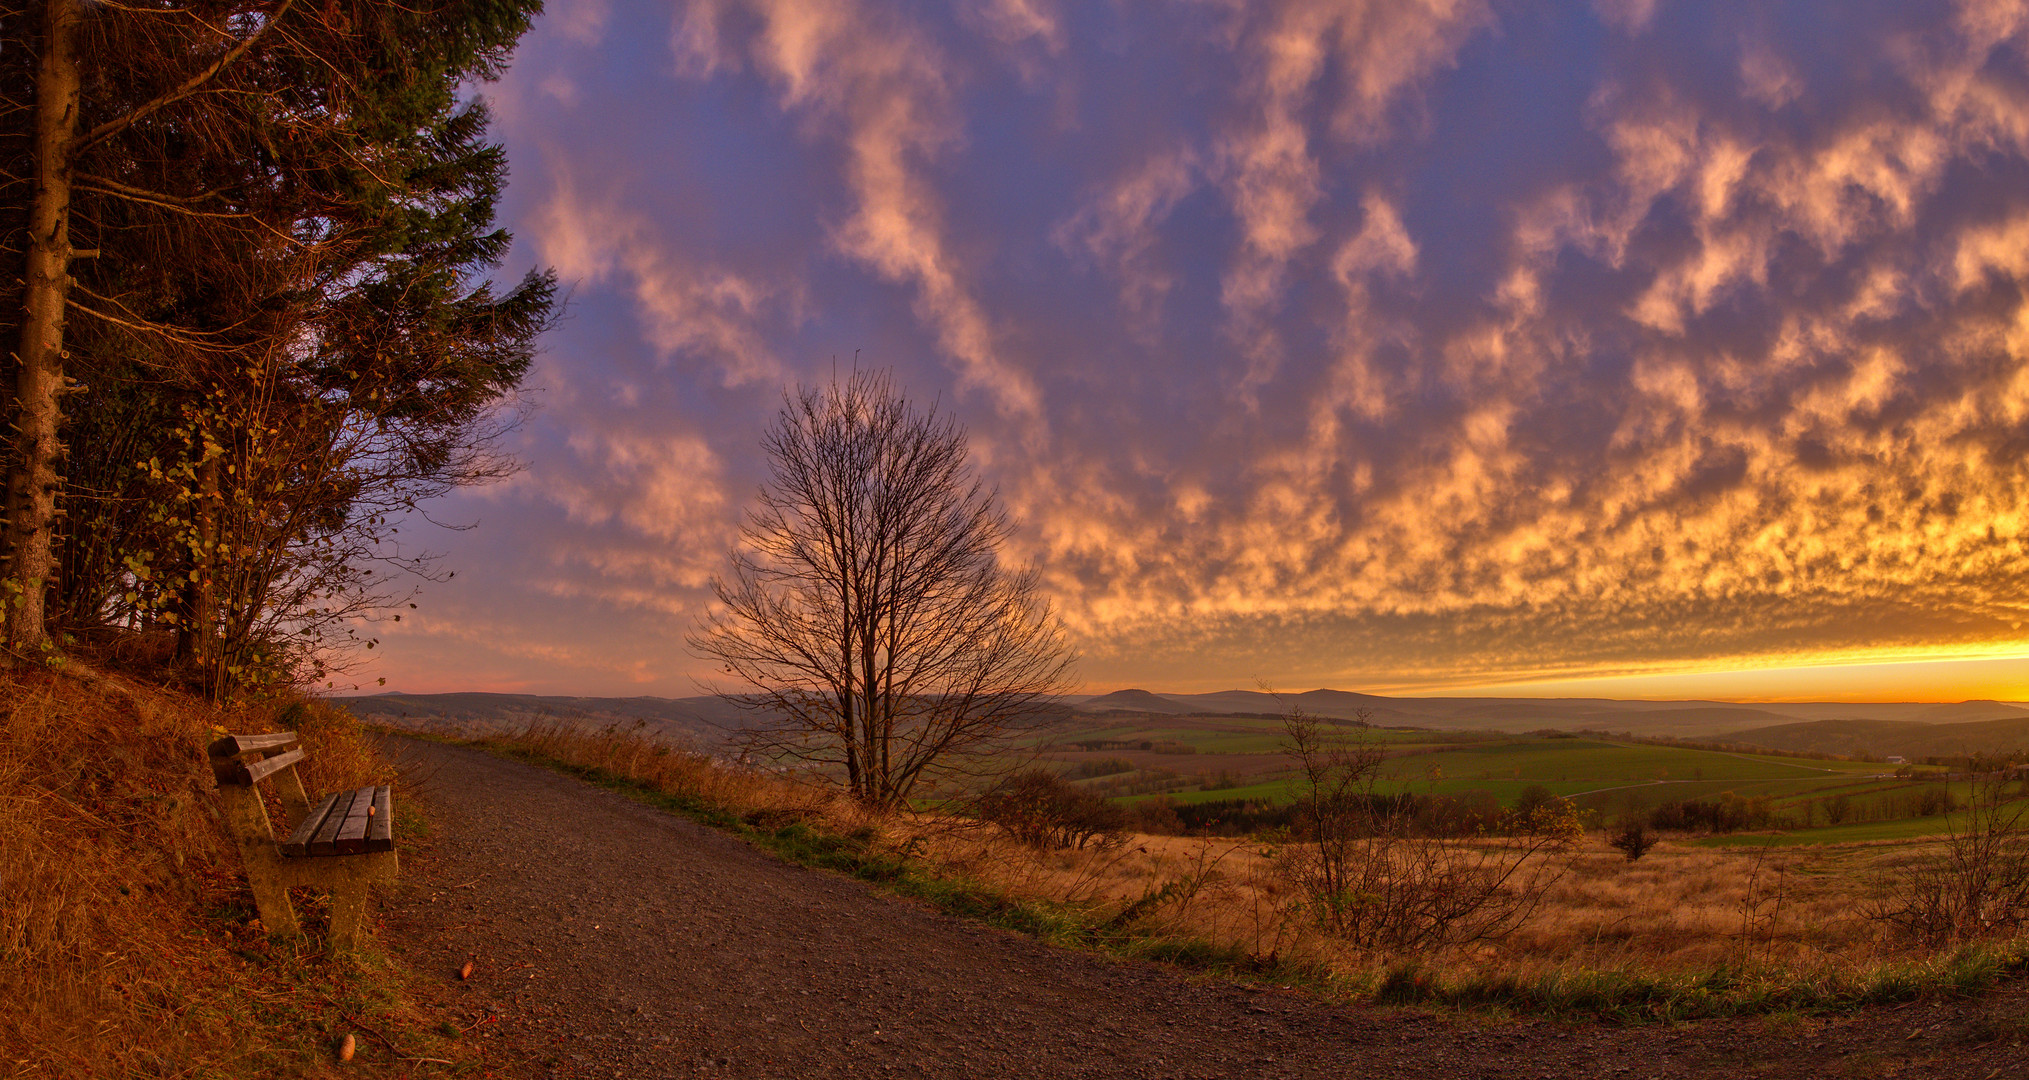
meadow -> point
(1199, 759)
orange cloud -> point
(1411, 342)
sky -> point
(1654, 348)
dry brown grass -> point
(1679, 912)
(127, 946)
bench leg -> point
(267, 875)
(348, 911)
(271, 899)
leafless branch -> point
(867, 616)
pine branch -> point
(180, 204)
(183, 90)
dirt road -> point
(614, 940)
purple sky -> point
(1378, 345)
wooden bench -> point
(339, 845)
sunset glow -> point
(1643, 348)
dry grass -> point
(1787, 918)
(127, 941)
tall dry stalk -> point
(1366, 876)
(1978, 885)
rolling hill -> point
(1911, 729)
(1914, 730)
(1139, 701)
(1892, 738)
(702, 719)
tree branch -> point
(185, 89)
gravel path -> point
(614, 940)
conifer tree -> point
(283, 336)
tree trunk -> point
(32, 480)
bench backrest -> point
(242, 761)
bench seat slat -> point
(249, 775)
(298, 843)
(351, 838)
(323, 843)
(380, 827)
(235, 745)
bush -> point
(1935, 799)
(1041, 809)
(1728, 813)
(1369, 877)
(1634, 839)
(1978, 886)
(1233, 817)
(1533, 797)
(1158, 816)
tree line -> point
(249, 316)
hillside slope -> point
(1673, 719)
(128, 943)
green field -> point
(1234, 735)
(1864, 832)
(1200, 759)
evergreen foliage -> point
(286, 338)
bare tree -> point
(867, 611)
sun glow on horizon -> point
(2001, 674)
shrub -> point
(1838, 808)
(1533, 797)
(1041, 809)
(1979, 885)
(1634, 839)
(1369, 878)
(1935, 799)
(1728, 813)
(1158, 815)
(1233, 817)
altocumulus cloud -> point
(1368, 342)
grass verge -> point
(1629, 995)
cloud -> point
(1631, 16)
(1120, 229)
(685, 307)
(871, 71)
(1376, 343)
(1268, 165)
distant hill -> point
(1918, 712)
(1892, 738)
(1909, 729)
(1671, 719)
(700, 719)
(1140, 701)
(1454, 714)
